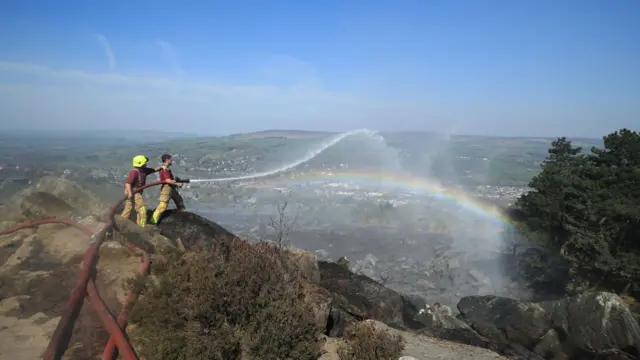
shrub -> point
(203, 306)
(365, 342)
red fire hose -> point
(86, 286)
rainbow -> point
(406, 182)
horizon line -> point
(280, 131)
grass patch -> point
(244, 304)
(363, 341)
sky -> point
(491, 67)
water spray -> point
(309, 156)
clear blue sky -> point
(533, 68)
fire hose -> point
(86, 287)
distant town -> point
(246, 191)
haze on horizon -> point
(543, 68)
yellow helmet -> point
(140, 160)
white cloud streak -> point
(108, 51)
(38, 95)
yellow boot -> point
(158, 212)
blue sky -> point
(490, 67)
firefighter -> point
(169, 190)
(137, 178)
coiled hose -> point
(86, 287)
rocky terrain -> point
(40, 266)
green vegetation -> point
(366, 342)
(584, 208)
(245, 304)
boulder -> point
(193, 230)
(439, 322)
(42, 205)
(23, 252)
(10, 243)
(320, 300)
(146, 238)
(595, 321)
(596, 325)
(504, 320)
(360, 296)
(339, 319)
(415, 301)
(329, 348)
(305, 262)
(68, 243)
(75, 195)
(357, 297)
(34, 204)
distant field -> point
(473, 160)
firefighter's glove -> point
(179, 185)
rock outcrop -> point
(594, 325)
(41, 205)
(358, 297)
(194, 231)
(439, 322)
(52, 196)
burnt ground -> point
(49, 295)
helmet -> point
(140, 160)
